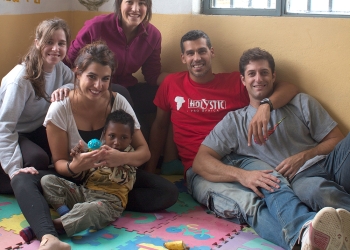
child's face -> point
(118, 136)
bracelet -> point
(70, 170)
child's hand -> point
(78, 149)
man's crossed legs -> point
(280, 217)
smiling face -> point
(118, 135)
(258, 79)
(95, 80)
(54, 50)
(133, 12)
(197, 57)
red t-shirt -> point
(196, 108)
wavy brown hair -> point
(96, 52)
(33, 59)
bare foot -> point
(50, 242)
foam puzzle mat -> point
(186, 220)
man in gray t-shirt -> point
(303, 144)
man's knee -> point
(231, 201)
(225, 208)
(314, 192)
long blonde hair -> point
(33, 59)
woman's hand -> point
(59, 94)
(28, 170)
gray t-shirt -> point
(303, 124)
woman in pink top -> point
(135, 42)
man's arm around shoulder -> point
(282, 94)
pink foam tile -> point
(245, 241)
(197, 228)
(9, 239)
(202, 214)
(143, 222)
(199, 214)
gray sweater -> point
(21, 112)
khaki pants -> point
(88, 208)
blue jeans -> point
(329, 178)
(278, 217)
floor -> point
(186, 220)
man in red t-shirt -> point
(196, 100)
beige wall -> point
(313, 53)
(17, 34)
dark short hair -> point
(118, 13)
(120, 116)
(193, 35)
(255, 54)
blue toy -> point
(94, 144)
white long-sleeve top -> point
(22, 112)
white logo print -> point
(207, 105)
(179, 101)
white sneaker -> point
(325, 231)
(344, 216)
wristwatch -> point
(267, 100)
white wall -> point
(9, 7)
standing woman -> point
(25, 98)
(136, 44)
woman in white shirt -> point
(81, 117)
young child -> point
(103, 196)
